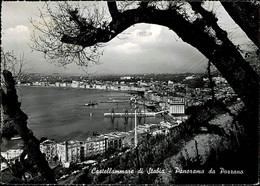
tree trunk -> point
(211, 82)
(11, 107)
(246, 15)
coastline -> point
(69, 87)
(58, 114)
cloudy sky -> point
(142, 48)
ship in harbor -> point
(91, 103)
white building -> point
(88, 86)
(126, 78)
(99, 87)
(70, 151)
(82, 85)
(57, 84)
(36, 83)
(49, 148)
(63, 84)
(75, 84)
(94, 145)
(12, 154)
(125, 88)
(177, 108)
(176, 105)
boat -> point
(91, 103)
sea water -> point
(60, 114)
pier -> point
(131, 115)
(115, 101)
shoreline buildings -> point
(78, 151)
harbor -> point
(72, 119)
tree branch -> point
(144, 4)
(76, 19)
(113, 10)
(210, 19)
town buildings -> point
(78, 151)
(169, 96)
(177, 106)
(10, 156)
(49, 148)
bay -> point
(60, 114)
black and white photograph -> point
(129, 92)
